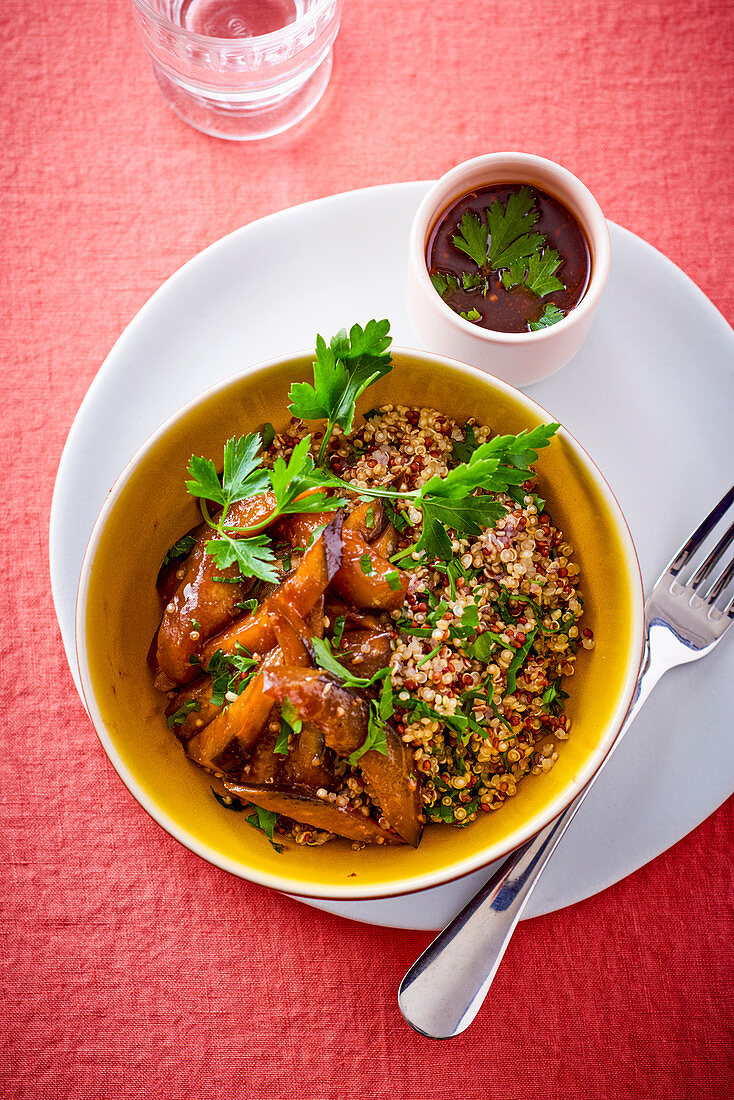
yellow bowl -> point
(118, 612)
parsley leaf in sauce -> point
(551, 315)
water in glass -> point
(237, 18)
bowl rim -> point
(420, 882)
(452, 185)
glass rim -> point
(287, 31)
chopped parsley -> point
(518, 661)
(289, 723)
(230, 673)
(179, 716)
(265, 820)
(338, 632)
(180, 549)
(553, 697)
(365, 564)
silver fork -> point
(445, 988)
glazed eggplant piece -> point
(195, 719)
(243, 719)
(305, 765)
(365, 652)
(340, 713)
(223, 745)
(362, 576)
(367, 519)
(363, 587)
(168, 574)
(302, 591)
(298, 529)
(386, 542)
(202, 605)
(343, 716)
(292, 634)
(265, 764)
(315, 619)
(354, 617)
(309, 810)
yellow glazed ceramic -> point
(118, 612)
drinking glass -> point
(240, 69)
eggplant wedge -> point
(305, 764)
(343, 717)
(302, 590)
(341, 714)
(193, 720)
(315, 619)
(292, 635)
(362, 578)
(367, 519)
(244, 718)
(298, 529)
(202, 605)
(223, 745)
(386, 542)
(265, 764)
(309, 810)
(353, 617)
(365, 652)
(352, 582)
(171, 574)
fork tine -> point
(702, 531)
(713, 559)
(720, 585)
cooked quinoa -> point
(477, 722)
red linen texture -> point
(131, 968)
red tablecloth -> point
(130, 968)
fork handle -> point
(445, 988)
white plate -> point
(650, 396)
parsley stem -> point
(379, 492)
(325, 442)
(205, 513)
(429, 655)
(406, 552)
(401, 554)
(222, 528)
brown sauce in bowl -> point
(491, 304)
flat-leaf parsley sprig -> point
(342, 371)
(464, 501)
(244, 476)
(447, 503)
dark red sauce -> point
(511, 310)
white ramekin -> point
(520, 358)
